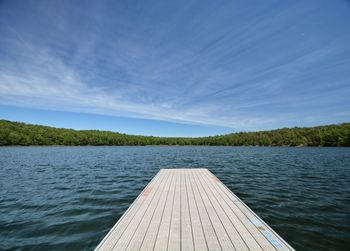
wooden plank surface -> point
(190, 209)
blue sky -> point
(175, 68)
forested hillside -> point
(15, 133)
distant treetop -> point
(15, 133)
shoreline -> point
(24, 146)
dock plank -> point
(199, 240)
(190, 209)
(186, 224)
(163, 231)
(175, 224)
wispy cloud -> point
(264, 67)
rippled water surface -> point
(68, 198)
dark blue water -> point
(68, 198)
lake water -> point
(68, 198)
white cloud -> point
(245, 76)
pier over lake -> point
(70, 197)
(190, 209)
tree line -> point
(16, 133)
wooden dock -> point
(190, 209)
